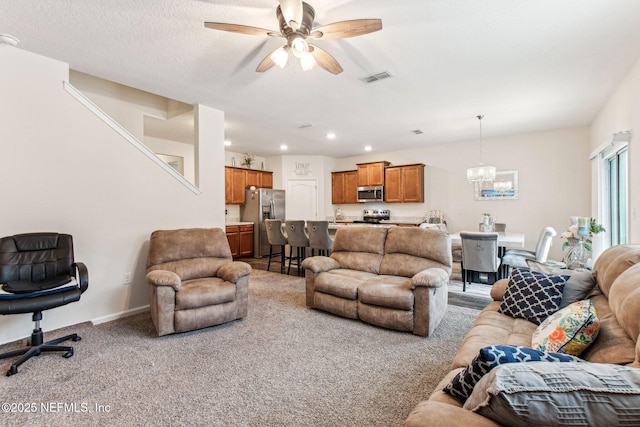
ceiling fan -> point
(296, 25)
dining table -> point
(506, 240)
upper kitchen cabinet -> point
(404, 184)
(371, 173)
(344, 187)
(237, 179)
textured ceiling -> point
(526, 65)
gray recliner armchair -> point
(193, 281)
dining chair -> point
(298, 239)
(517, 258)
(479, 255)
(319, 237)
(276, 237)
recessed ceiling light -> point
(283, 147)
(331, 135)
(227, 143)
(367, 148)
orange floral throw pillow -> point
(570, 330)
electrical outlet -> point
(126, 279)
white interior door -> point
(302, 199)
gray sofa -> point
(616, 298)
(393, 277)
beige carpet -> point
(283, 365)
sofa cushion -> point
(531, 295)
(409, 250)
(489, 357)
(359, 248)
(387, 291)
(578, 287)
(569, 330)
(390, 318)
(203, 292)
(340, 285)
(552, 394)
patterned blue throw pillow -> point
(489, 357)
(532, 295)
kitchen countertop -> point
(232, 223)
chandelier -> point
(481, 173)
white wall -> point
(622, 113)
(554, 177)
(64, 170)
(174, 148)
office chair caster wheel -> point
(68, 354)
(12, 370)
(76, 339)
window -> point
(615, 191)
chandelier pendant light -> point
(481, 173)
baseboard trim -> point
(120, 315)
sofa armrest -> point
(437, 414)
(430, 278)
(318, 264)
(164, 278)
(498, 289)
(233, 271)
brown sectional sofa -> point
(617, 301)
(393, 277)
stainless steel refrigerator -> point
(261, 204)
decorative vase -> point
(575, 255)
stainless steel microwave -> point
(371, 194)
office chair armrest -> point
(233, 271)
(430, 278)
(164, 278)
(318, 264)
(83, 275)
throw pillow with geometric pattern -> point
(532, 296)
(489, 357)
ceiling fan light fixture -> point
(280, 57)
(299, 47)
(307, 62)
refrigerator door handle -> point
(272, 214)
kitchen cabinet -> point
(259, 179)
(344, 187)
(404, 184)
(236, 180)
(371, 173)
(240, 239)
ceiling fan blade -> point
(292, 12)
(242, 29)
(324, 60)
(345, 29)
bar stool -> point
(319, 237)
(297, 239)
(276, 237)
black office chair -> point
(37, 272)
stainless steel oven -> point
(370, 194)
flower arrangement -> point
(573, 232)
(248, 159)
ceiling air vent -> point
(375, 77)
(417, 132)
(305, 125)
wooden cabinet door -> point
(246, 241)
(238, 179)
(233, 236)
(371, 173)
(228, 185)
(337, 188)
(393, 185)
(363, 175)
(350, 187)
(266, 179)
(252, 177)
(413, 184)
